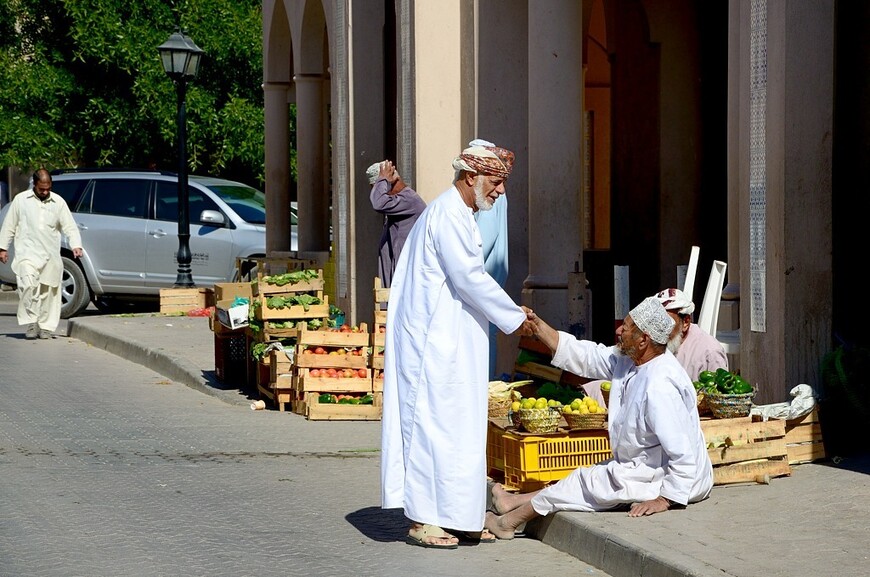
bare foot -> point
(502, 501)
(493, 523)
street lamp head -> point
(180, 56)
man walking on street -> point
(35, 221)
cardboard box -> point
(232, 317)
(227, 291)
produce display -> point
(722, 382)
(329, 398)
(291, 278)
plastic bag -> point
(803, 401)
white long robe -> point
(655, 434)
(433, 459)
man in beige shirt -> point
(34, 223)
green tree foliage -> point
(83, 85)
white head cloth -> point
(652, 318)
(676, 300)
(373, 171)
(481, 142)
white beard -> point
(674, 343)
(480, 200)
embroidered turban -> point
(676, 300)
(652, 318)
(490, 160)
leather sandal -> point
(418, 537)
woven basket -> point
(703, 407)
(586, 420)
(725, 406)
(499, 408)
(539, 420)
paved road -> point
(110, 469)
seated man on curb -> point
(695, 350)
(659, 453)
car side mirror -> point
(212, 217)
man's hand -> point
(657, 505)
(77, 252)
(388, 172)
(526, 329)
(4, 256)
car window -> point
(117, 197)
(167, 203)
(70, 190)
(249, 203)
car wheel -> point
(74, 292)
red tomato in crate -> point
(315, 373)
(362, 373)
(319, 351)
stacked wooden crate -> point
(282, 324)
(333, 378)
(803, 438)
(745, 451)
(379, 330)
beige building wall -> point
(438, 91)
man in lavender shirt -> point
(400, 205)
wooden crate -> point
(312, 286)
(307, 406)
(382, 296)
(745, 451)
(184, 300)
(803, 438)
(280, 397)
(298, 312)
(305, 383)
(275, 265)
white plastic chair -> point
(708, 318)
(689, 284)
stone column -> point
(312, 192)
(555, 155)
(277, 160)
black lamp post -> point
(181, 58)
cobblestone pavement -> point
(108, 468)
(111, 469)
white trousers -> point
(37, 303)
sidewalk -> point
(815, 522)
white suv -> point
(129, 227)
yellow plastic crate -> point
(494, 450)
(532, 462)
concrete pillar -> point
(277, 160)
(312, 192)
(785, 194)
(555, 155)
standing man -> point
(493, 225)
(695, 349)
(660, 457)
(35, 221)
(400, 205)
(433, 457)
